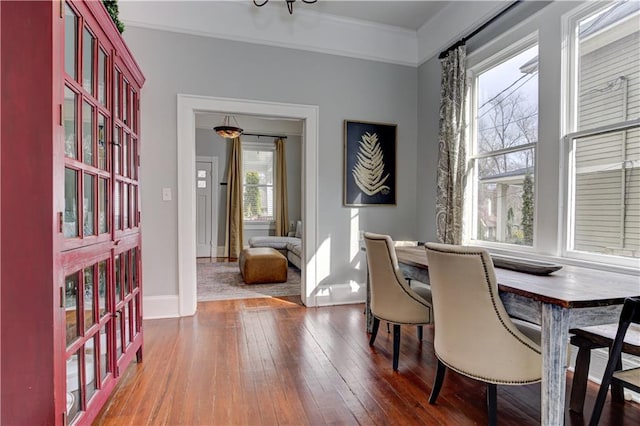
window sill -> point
(530, 253)
(259, 225)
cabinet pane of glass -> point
(70, 203)
(102, 288)
(116, 206)
(134, 158)
(134, 112)
(74, 388)
(88, 205)
(87, 133)
(116, 150)
(70, 120)
(103, 206)
(102, 142)
(134, 268)
(70, 41)
(118, 282)
(102, 77)
(119, 347)
(125, 155)
(89, 319)
(90, 364)
(116, 94)
(88, 43)
(125, 207)
(124, 258)
(134, 318)
(127, 328)
(125, 102)
(71, 307)
(104, 352)
(134, 205)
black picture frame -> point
(369, 164)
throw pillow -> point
(299, 229)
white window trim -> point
(471, 190)
(568, 129)
(266, 224)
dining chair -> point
(594, 337)
(392, 299)
(474, 335)
(613, 373)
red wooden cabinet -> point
(71, 290)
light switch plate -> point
(166, 194)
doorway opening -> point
(188, 106)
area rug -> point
(223, 281)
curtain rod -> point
(475, 32)
(264, 135)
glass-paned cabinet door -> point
(70, 41)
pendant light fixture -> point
(289, 4)
(228, 131)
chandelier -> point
(228, 131)
(289, 4)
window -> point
(257, 182)
(504, 133)
(602, 139)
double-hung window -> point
(503, 114)
(258, 176)
(602, 134)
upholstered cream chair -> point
(473, 332)
(392, 299)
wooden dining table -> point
(570, 297)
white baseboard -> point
(154, 307)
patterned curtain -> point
(282, 204)
(451, 142)
(233, 231)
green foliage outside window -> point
(527, 209)
(252, 203)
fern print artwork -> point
(369, 163)
(369, 169)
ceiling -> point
(410, 15)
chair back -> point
(391, 297)
(473, 332)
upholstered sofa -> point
(290, 247)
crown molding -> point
(305, 30)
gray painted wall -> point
(208, 143)
(342, 88)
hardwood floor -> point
(273, 361)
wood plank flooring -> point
(275, 362)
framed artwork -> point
(369, 163)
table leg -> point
(555, 332)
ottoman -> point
(262, 265)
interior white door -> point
(206, 217)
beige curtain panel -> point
(233, 232)
(282, 203)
